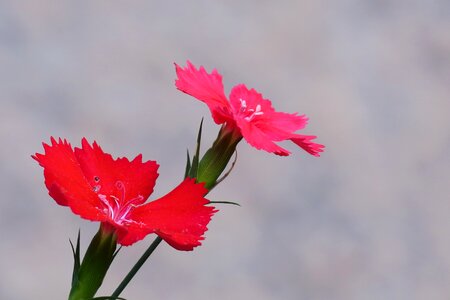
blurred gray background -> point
(369, 219)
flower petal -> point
(304, 141)
(132, 233)
(66, 182)
(262, 126)
(252, 98)
(180, 217)
(250, 106)
(207, 88)
(258, 139)
(120, 177)
(279, 125)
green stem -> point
(136, 268)
(206, 170)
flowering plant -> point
(114, 192)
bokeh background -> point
(370, 219)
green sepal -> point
(99, 256)
(216, 158)
(219, 180)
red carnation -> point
(114, 191)
(246, 114)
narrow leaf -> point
(188, 165)
(107, 298)
(76, 259)
(224, 202)
(196, 158)
(115, 253)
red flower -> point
(113, 191)
(246, 113)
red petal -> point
(180, 217)
(251, 97)
(258, 139)
(131, 233)
(261, 126)
(135, 178)
(304, 141)
(276, 126)
(280, 126)
(207, 88)
(65, 180)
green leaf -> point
(195, 160)
(188, 165)
(117, 252)
(224, 202)
(76, 259)
(107, 298)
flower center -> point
(118, 208)
(249, 113)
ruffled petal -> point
(279, 125)
(304, 141)
(244, 99)
(207, 88)
(132, 233)
(180, 217)
(262, 126)
(120, 177)
(250, 106)
(258, 139)
(66, 182)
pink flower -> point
(114, 191)
(246, 113)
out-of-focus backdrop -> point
(370, 219)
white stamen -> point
(243, 104)
(116, 208)
(250, 112)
